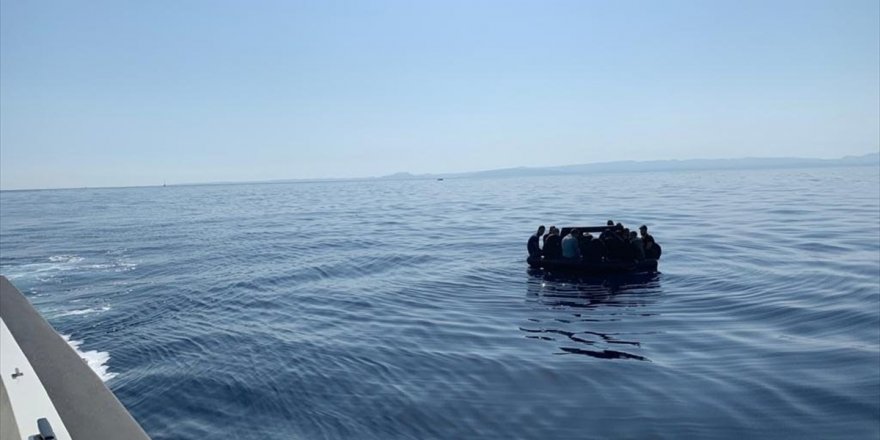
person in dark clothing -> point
(652, 249)
(604, 234)
(553, 244)
(595, 251)
(533, 246)
(582, 242)
(627, 252)
(615, 245)
(547, 234)
(637, 246)
(622, 232)
(643, 231)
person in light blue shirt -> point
(571, 245)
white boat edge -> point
(23, 394)
(56, 385)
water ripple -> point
(384, 309)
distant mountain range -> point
(872, 159)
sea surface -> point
(405, 309)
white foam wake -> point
(65, 259)
(58, 264)
(97, 360)
(83, 311)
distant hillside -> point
(872, 159)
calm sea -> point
(404, 309)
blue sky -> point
(133, 93)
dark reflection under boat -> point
(581, 291)
(569, 304)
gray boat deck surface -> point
(87, 407)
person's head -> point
(633, 235)
(575, 232)
(553, 230)
(589, 236)
(643, 230)
(540, 230)
(609, 223)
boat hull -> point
(587, 268)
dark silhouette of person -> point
(626, 251)
(594, 251)
(583, 239)
(533, 245)
(643, 231)
(553, 244)
(615, 244)
(604, 234)
(652, 249)
(637, 246)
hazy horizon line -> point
(405, 175)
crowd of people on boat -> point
(615, 243)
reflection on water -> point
(573, 312)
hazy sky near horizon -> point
(115, 93)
